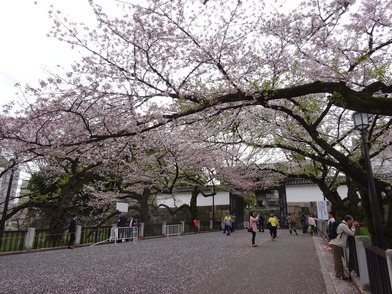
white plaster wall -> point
(309, 193)
(221, 198)
(297, 193)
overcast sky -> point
(26, 51)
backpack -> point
(332, 233)
(292, 220)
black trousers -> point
(253, 237)
(273, 232)
(72, 238)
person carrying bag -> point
(253, 226)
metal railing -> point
(378, 270)
(94, 234)
(173, 230)
(353, 256)
(152, 230)
(48, 238)
(13, 241)
(204, 227)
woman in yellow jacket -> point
(273, 226)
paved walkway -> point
(198, 263)
(289, 264)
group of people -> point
(309, 224)
(254, 225)
(122, 221)
(257, 221)
(228, 223)
(337, 243)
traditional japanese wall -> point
(221, 198)
(294, 193)
(309, 193)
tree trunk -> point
(193, 203)
(388, 223)
(144, 206)
(60, 217)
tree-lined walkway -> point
(197, 263)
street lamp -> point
(7, 199)
(213, 211)
(361, 123)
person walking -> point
(291, 221)
(345, 228)
(253, 225)
(330, 223)
(133, 230)
(222, 224)
(261, 223)
(72, 232)
(272, 226)
(121, 223)
(312, 224)
(277, 226)
(132, 222)
(233, 223)
(196, 225)
(304, 224)
(227, 222)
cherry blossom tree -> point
(165, 160)
(194, 56)
(317, 141)
(174, 64)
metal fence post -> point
(183, 227)
(78, 234)
(141, 230)
(388, 254)
(362, 263)
(29, 238)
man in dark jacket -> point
(121, 223)
(72, 231)
(261, 223)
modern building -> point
(17, 187)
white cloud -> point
(26, 50)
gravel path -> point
(197, 263)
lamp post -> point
(213, 211)
(6, 201)
(361, 123)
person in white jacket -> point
(345, 228)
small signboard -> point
(122, 207)
(322, 210)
